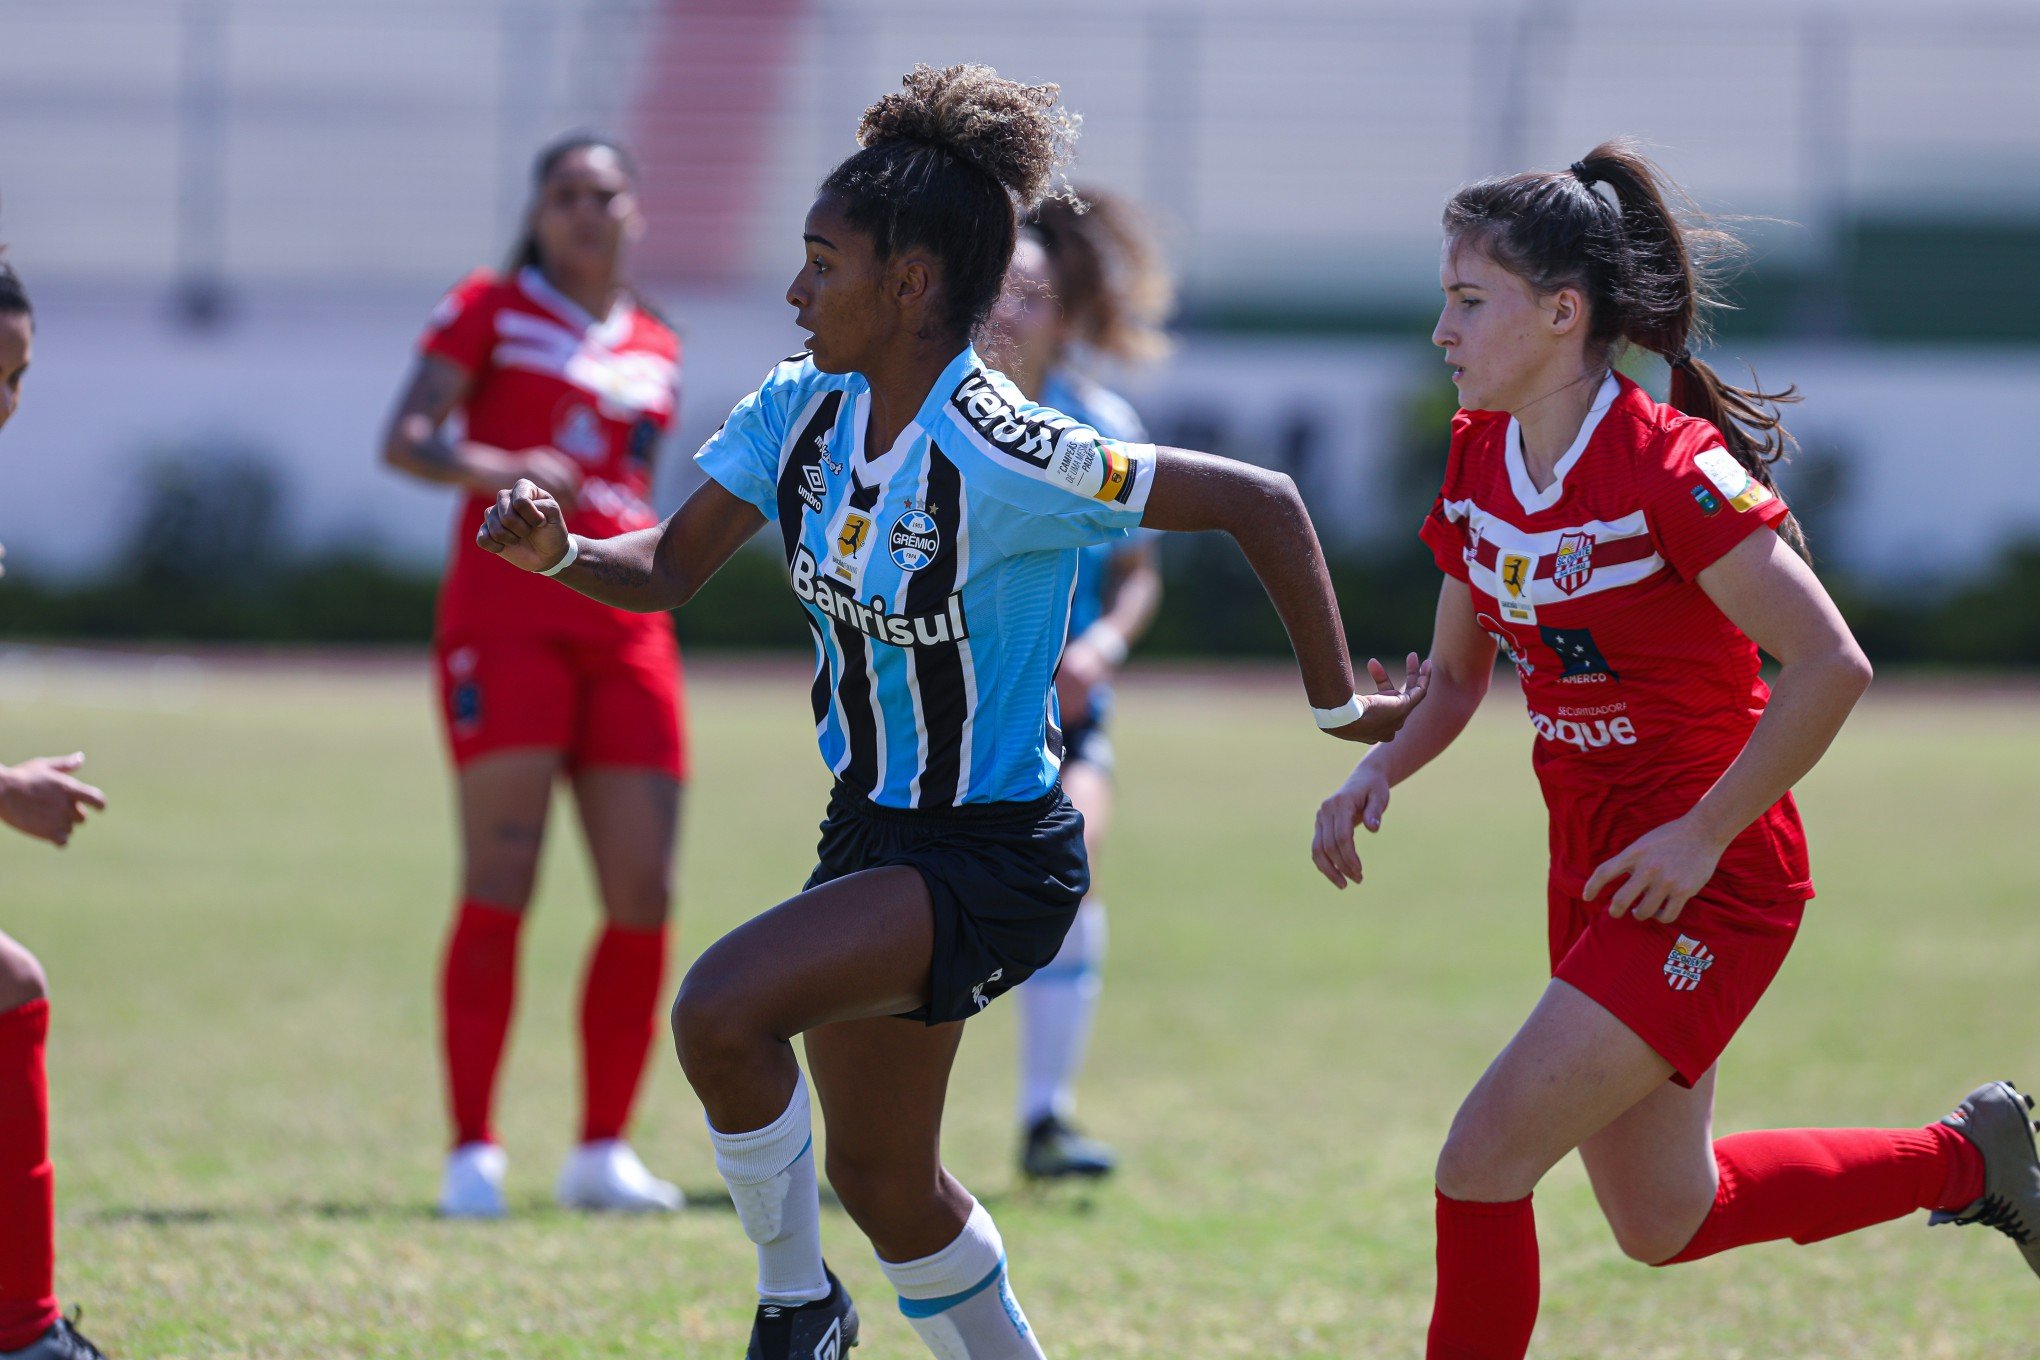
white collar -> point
(1527, 494)
(540, 290)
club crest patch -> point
(914, 539)
(1575, 561)
(1687, 964)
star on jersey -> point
(1577, 653)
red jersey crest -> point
(1575, 562)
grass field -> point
(248, 1122)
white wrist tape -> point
(1102, 638)
(573, 551)
(1329, 718)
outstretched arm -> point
(646, 571)
(1265, 515)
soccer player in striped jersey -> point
(931, 518)
(40, 798)
(1086, 279)
(1630, 557)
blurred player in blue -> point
(932, 519)
(1086, 282)
(40, 798)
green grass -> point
(248, 1121)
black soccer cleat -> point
(1054, 1151)
(1997, 1118)
(822, 1330)
(61, 1342)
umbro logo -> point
(830, 1347)
(813, 486)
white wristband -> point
(573, 551)
(1102, 638)
(1329, 718)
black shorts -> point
(1088, 741)
(1005, 879)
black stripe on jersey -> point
(818, 693)
(802, 471)
(860, 725)
(938, 670)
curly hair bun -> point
(1016, 133)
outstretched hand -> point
(1383, 712)
(525, 527)
(39, 797)
(1361, 801)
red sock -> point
(1486, 1305)
(619, 1016)
(477, 987)
(1810, 1184)
(28, 1210)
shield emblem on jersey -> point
(856, 528)
(1575, 561)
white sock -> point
(1056, 1006)
(958, 1300)
(771, 1175)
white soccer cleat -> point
(608, 1175)
(472, 1186)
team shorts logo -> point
(1575, 561)
(1686, 964)
(1732, 479)
(914, 540)
(872, 618)
(464, 701)
(977, 993)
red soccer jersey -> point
(1640, 690)
(545, 372)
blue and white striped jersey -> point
(936, 575)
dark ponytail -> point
(1646, 267)
(525, 253)
(947, 164)
(13, 295)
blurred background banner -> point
(234, 215)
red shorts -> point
(1683, 988)
(601, 702)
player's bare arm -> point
(1462, 662)
(415, 440)
(40, 797)
(1263, 513)
(1770, 593)
(647, 571)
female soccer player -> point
(931, 518)
(1631, 558)
(40, 798)
(1085, 275)
(563, 376)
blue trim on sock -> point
(924, 1308)
(805, 1149)
(1066, 973)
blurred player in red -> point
(1086, 281)
(39, 798)
(1631, 558)
(562, 375)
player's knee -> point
(1475, 1164)
(712, 1030)
(1656, 1231)
(643, 903)
(503, 870)
(21, 976)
